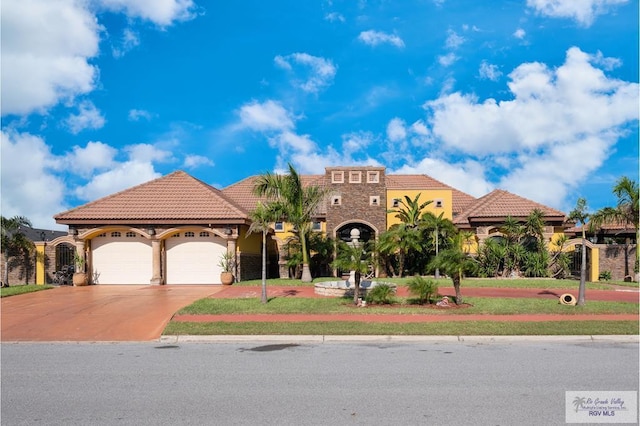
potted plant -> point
(227, 263)
(80, 277)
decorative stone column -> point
(156, 261)
(80, 266)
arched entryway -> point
(364, 233)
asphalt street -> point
(280, 383)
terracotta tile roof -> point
(174, 198)
(242, 192)
(499, 203)
(461, 200)
(607, 228)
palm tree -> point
(13, 240)
(440, 226)
(354, 257)
(399, 240)
(456, 261)
(579, 215)
(513, 232)
(297, 203)
(410, 211)
(626, 213)
(261, 219)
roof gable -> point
(174, 198)
(498, 204)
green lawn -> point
(487, 306)
(21, 289)
(468, 282)
(466, 328)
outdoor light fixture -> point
(227, 230)
(152, 231)
(43, 236)
(73, 231)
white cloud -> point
(163, 13)
(317, 72)
(551, 114)
(374, 38)
(334, 17)
(46, 47)
(33, 191)
(88, 117)
(194, 161)
(520, 33)
(128, 41)
(489, 71)
(583, 12)
(139, 114)
(266, 116)
(453, 40)
(396, 130)
(448, 59)
(95, 156)
(123, 176)
(146, 153)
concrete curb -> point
(320, 339)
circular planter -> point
(226, 278)
(80, 279)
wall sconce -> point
(152, 231)
(73, 231)
(43, 236)
(227, 230)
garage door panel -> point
(193, 260)
(121, 260)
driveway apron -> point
(96, 313)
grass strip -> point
(484, 305)
(22, 289)
(468, 282)
(470, 328)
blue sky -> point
(538, 97)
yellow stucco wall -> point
(40, 263)
(446, 195)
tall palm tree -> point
(627, 211)
(409, 211)
(13, 240)
(399, 240)
(441, 227)
(580, 215)
(261, 219)
(456, 261)
(297, 203)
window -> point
(130, 234)
(189, 234)
(373, 177)
(177, 234)
(355, 177)
(104, 234)
(439, 203)
(336, 200)
(337, 177)
(279, 226)
(374, 200)
(204, 234)
(316, 226)
(395, 202)
(116, 234)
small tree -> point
(422, 288)
(580, 215)
(261, 218)
(456, 261)
(354, 257)
(14, 242)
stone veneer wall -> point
(21, 270)
(355, 199)
(612, 258)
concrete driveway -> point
(96, 313)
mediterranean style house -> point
(175, 229)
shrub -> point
(423, 289)
(605, 275)
(382, 294)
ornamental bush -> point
(382, 294)
(424, 290)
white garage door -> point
(121, 258)
(192, 258)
